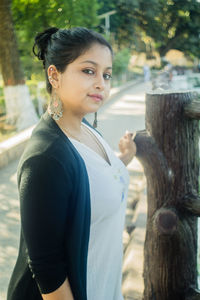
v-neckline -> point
(49, 119)
(108, 163)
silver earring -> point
(56, 107)
(95, 120)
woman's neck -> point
(72, 123)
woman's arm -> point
(45, 193)
(62, 293)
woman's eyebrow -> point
(93, 63)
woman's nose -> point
(100, 82)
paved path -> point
(125, 111)
(9, 224)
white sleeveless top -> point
(108, 194)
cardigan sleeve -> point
(44, 189)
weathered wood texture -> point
(169, 152)
(192, 109)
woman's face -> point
(85, 84)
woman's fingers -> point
(134, 134)
(130, 134)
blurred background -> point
(156, 45)
(157, 39)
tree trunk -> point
(169, 152)
(19, 108)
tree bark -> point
(9, 58)
(169, 152)
(17, 101)
(192, 110)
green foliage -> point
(2, 106)
(122, 24)
(36, 15)
(2, 102)
(171, 24)
(33, 16)
(1, 90)
(175, 25)
(121, 61)
(138, 25)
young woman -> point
(72, 187)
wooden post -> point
(169, 152)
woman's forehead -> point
(96, 54)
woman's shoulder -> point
(48, 143)
(44, 139)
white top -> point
(108, 194)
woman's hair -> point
(61, 47)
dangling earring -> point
(95, 120)
(56, 107)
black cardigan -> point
(55, 216)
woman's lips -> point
(96, 98)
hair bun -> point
(41, 41)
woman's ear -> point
(53, 76)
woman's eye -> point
(107, 76)
(88, 71)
